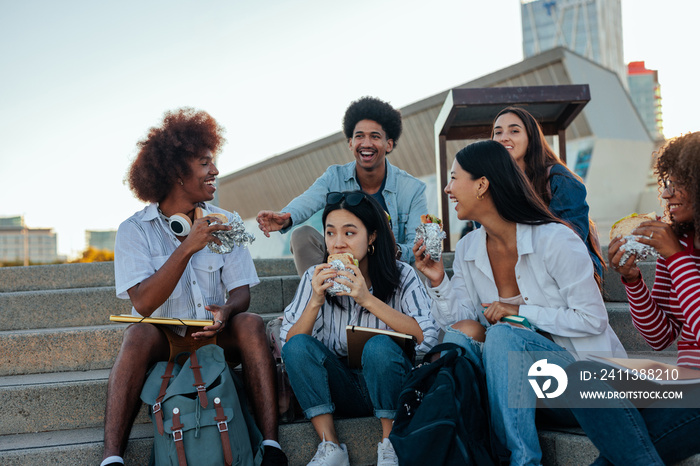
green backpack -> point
(196, 413)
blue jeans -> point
(624, 434)
(323, 382)
(506, 356)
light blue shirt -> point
(404, 196)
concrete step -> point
(74, 307)
(101, 274)
(62, 276)
(76, 399)
(95, 346)
(64, 349)
(84, 446)
(621, 321)
(59, 276)
(54, 402)
(59, 350)
(614, 290)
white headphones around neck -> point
(181, 225)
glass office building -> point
(591, 28)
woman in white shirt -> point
(522, 264)
(384, 294)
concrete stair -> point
(57, 347)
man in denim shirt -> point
(372, 128)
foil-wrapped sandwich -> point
(236, 236)
(340, 262)
(624, 228)
(430, 231)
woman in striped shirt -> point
(672, 309)
(663, 431)
(384, 294)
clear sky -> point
(81, 81)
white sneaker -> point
(331, 454)
(386, 456)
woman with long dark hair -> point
(521, 265)
(561, 189)
(383, 293)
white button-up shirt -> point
(555, 277)
(144, 243)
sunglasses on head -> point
(351, 198)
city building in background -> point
(101, 239)
(607, 145)
(645, 92)
(20, 244)
(591, 28)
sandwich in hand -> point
(236, 236)
(624, 228)
(428, 218)
(345, 258)
(340, 261)
(626, 225)
(430, 231)
(220, 218)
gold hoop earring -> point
(370, 249)
(479, 197)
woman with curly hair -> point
(665, 431)
(560, 188)
(166, 272)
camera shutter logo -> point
(542, 369)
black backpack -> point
(443, 415)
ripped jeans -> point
(506, 357)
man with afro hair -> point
(166, 272)
(372, 128)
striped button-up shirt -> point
(410, 298)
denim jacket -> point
(569, 204)
(404, 196)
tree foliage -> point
(95, 255)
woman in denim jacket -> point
(560, 188)
(522, 264)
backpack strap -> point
(447, 346)
(223, 430)
(177, 438)
(198, 382)
(157, 411)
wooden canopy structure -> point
(468, 113)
